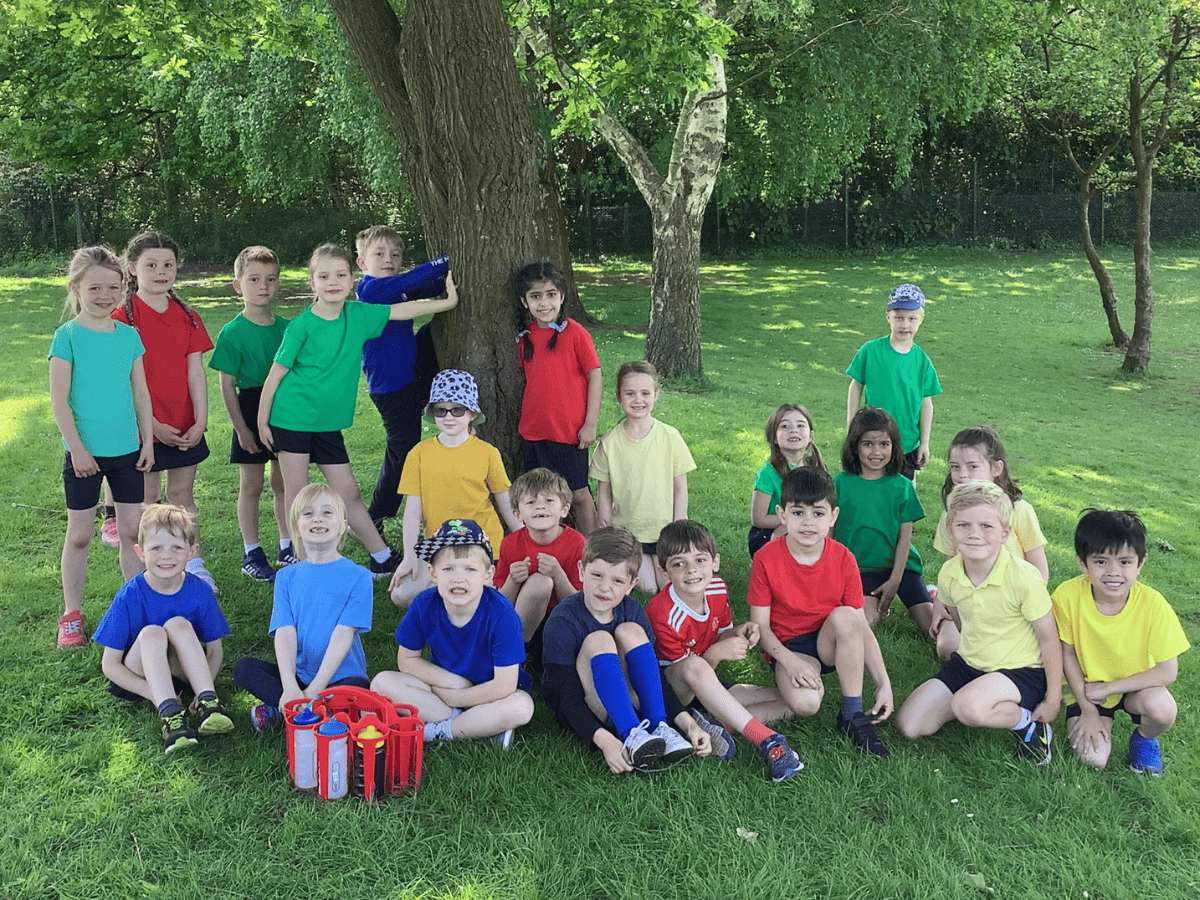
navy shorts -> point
(1031, 682)
(806, 644)
(758, 538)
(325, 448)
(127, 483)
(910, 468)
(568, 460)
(167, 458)
(1106, 712)
(912, 589)
(248, 404)
(651, 550)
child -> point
(894, 373)
(539, 564)
(175, 342)
(472, 684)
(102, 408)
(976, 454)
(563, 385)
(790, 436)
(876, 511)
(1007, 672)
(164, 625)
(641, 466)
(309, 395)
(245, 348)
(1121, 641)
(599, 657)
(453, 475)
(694, 631)
(806, 598)
(322, 606)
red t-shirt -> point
(802, 597)
(169, 337)
(556, 383)
(567, 548)
(679, 630)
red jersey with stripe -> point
(680, 630)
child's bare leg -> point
(1093, 753)
(181, 484)
(698, 678)
(762, 702)
(841, 639)
(293, 467)
(650, 577)
(532, 600)
(129, 516)
(800, 701)
(341, 479)
(277, 502)
(400, 687)
(406, 589)
(81, 525)
(1157, 708)
(871, 609)
(250, 488)
(926, 710)
(585, 510)
(186, 654)
(147, 658)
(922, 616)
(152, 481)
(492, 718)
(947, 640)
(990, 701)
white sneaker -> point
(195, 565)
(504, 739)
(677, 748)
(643, 748)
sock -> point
(646, 678)
(1026, 719)
(110, 512)
(170, 707)
(756, 732)
(285, 543)
(250, 547)
(609, 682)
(382, 555)
(207, 695)
(851, 706)
(440, 730)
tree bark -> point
(479, 172)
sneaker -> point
(195, 565)
(1145, 754)
(256, 566)
(264, 717)
(677, 747)
(70, 631)
(1034, 743)
(861, 730)
(211, 718)
(109, 533)
(176, 733)
(723, 746)
(782, 761)
(385, 568)
(643, 748)
(287, 556)
(504, 739)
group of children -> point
(638, 684)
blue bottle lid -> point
(333, 727)
(307, 717)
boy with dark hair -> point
(806, 597)
(1121, 642)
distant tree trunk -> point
(1137, 353)
(479, 171)
(673, 338)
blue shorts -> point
(325, 448)
(911, 592)
(757, 538)
(568, 460)
(806, 645)
(127, 483)
(956, 674)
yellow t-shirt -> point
(1144, 633)
(1026, 532)
(642, 474)
(996, 615)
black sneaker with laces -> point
(287, 556)
(211, 717)
(1033, 743)
(176, 732)
(861, 731)
(385, 568)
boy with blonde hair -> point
(1007, 672)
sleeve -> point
(210, 623)
(681, 457)
(410, 475)
(572, 558)
(497, 478)
(198, 339)
(60, 346)
(504, 561)
(1036, 602)
(1061, 601)
(852, 589)
(360, 601)
(667, 642)
(599, 466)
(720, 608)
(113, 630)
(1167, 638)
(411, 632)
(858, 366)
(281, 607)
(758, 591)
(370, 319)
(1028, 529)
(941, 540)
(507, 638)
(585, 349)
(763, 481)
(293, 342)
(931, 386)
(563, 692)
(911, 509)
(386, 290)
(225, 357)
(560, 643)
(636, 613)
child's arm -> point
(886, 592)
(198, 390)
(502, 684)
(285, 655)
(1159, 675)
(214, 652)
(873, 663)
(144, 410)
(340, 643)
(504, 505)
(266, 400)
(1087, 734)
(854, 400)
(245, 436)
(761, 514)
(121, 675)
(733, 644)
(82, 461)
(410, 532)
(680, 490)
(1052, 661)
(1037, 557)
(943, 612)
(604, 503)
(926, 424)
(411, 662)
(551, 567)
(595, 393)
(410, 309)
(802, 673)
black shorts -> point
(166, 458)
(806, 644)
(1106, 712)
(758, 538)
(910, 468)
(651, 550)
(568, 460)
(1031, 682)
(911, 592)
(127, 483)
(325, 448)
(248, 404)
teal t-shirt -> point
(246, 350)
(324, 358)
(101, 397)
(870, 514)
(897, 382)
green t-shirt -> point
(768, 481)
(870, 514)
(897, 382)
(246, 350)
(324, 359)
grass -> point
(95, 810)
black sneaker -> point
(254, 564)
(782, 761)
(287, 556)
(1033, 743)
(177, 733)
(861, 730)
(385, 568)
(211, 718)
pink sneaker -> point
(70, 631)
(109, 533)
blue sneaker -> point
(1145, 755)
(782, 760)
(723, 746)
(287, 556)
(264, 717)
(256, 566)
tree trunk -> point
(1108, 292)
(478, 169)
(673, 339)
(1137, 354)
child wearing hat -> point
(472, 685)
(894, 374)
(453, 475)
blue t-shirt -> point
(389, 360)
(493, 639)
(317, 597)
(570, 623)
(138, 605)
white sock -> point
(1026, 719)
(250, 547)
(382, 555)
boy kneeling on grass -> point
(163, 631)
(472, 684)
(601, 676)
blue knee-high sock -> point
(609, 681)
(646, 678)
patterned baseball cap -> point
(906, 296)
(455, 386)
(454, 533)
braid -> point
(560, 320)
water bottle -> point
(333, 741)
(304, 749)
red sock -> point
(756, 732)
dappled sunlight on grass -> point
(124, 763)
(18, 413)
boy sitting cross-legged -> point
(1121, 641)
(599, 656)
(472, 684)
(1007, 672)
(806, 597)
(694, 631)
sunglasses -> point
(456, 411)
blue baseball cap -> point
(906, 296)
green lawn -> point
(95, 809)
